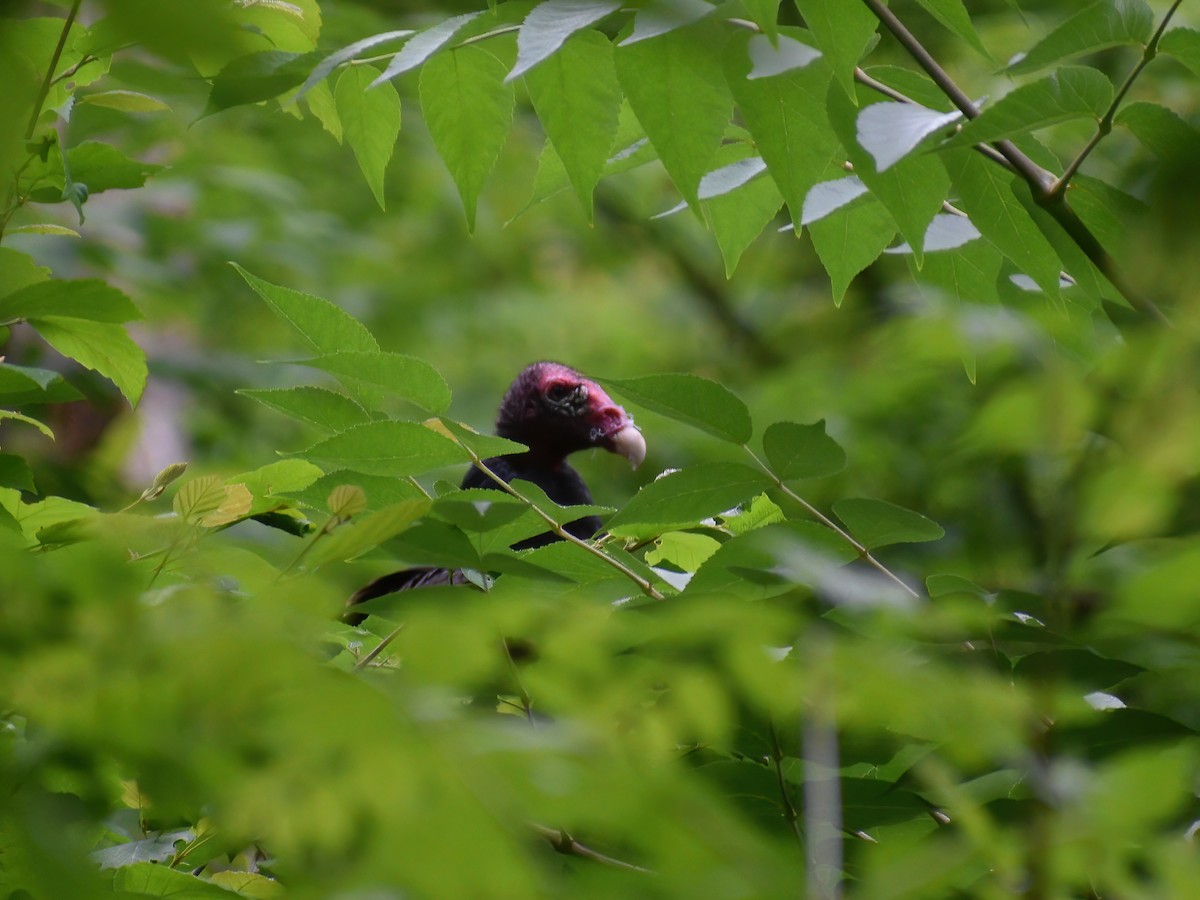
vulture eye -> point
(558, 392)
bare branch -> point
(564, 843)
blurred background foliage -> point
(1063, 470)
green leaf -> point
(380, 490)
(578, 101)
(43, 228)
(258, 76)
(827, 197)
(842, 31)
(876, 523)
(482, 445)
(549, 24)
(1088, 669)
(99, 166)
(424, 45)
(15, 473)
(1072, 92)
(912, 190)
(125, 101)
(322, 105)
(1184, 45)
(468, 108)
(28, 420)
(400, 376)
(685, 497)
(323, 325)
(678, 91)
(333, 60)
(154, 880)
(737, 204)
(315, 406)
(1160, 130)
(100, 346)
(18, 270)
(851, 239)
(282, 477)
(1105, 23)
(947, 585)
(659, 17)
(765, 14)
(954, 16)
(689, 399)
(387, 448)
(89, 298)
(370, 122)
(985, 193)
(802, 451)
(891, 131)
(355, 538)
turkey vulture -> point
(554, 411)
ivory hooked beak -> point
(629, 443)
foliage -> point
(773, 670)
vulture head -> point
(554, 411)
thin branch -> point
(1041, 183)
(47, 80)
(564, 843)
(643, 584)
(1104, 126)
(863, 553)
(1028, 169)
(789, 808)
(67, 73)
(495, 32)
(378, 648)
(892, 94)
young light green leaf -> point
(468, 109)
(424, 45)
(101, 346)
(316, 406)
(346, 501)
(42, 228)
(275, 479)
(333, 60)
(877, 523)
(683, 549)
(891, 131)
(87, 298)
(678, 91)
(125, 101)
(18, 270)
(236, 503)
(690, 399)
(578, 102)
(325, 326)
(162, 480)
(1072, 92)
(380, 490)
(842, 31)
(802, 451)
(198, 498)
(685, 497)
(548, 26)
(387, 448)
(370, 122)
(659, 17)
(400, 376)
(322, 105)
(356, 538)
(1105, 23)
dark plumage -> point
(554, 411)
